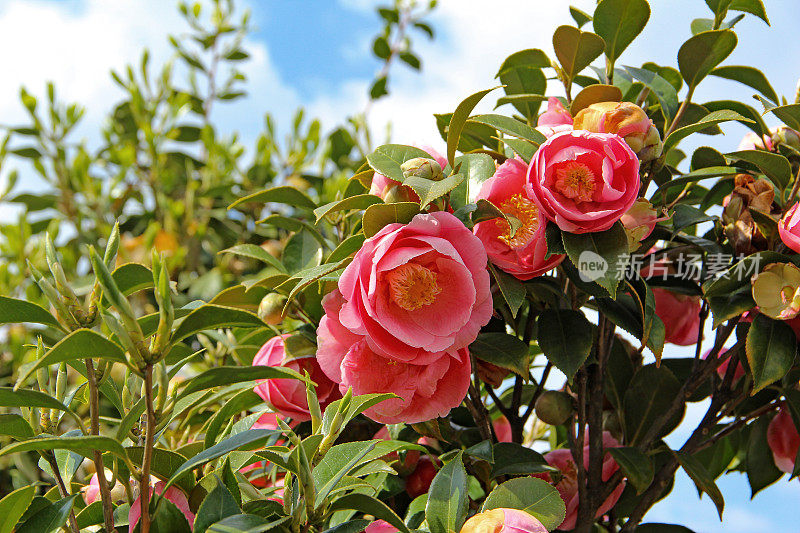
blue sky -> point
(316, 53)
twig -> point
(62, 488)
(144, 485)
(102, 482)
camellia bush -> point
(336, 337)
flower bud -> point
(639, 222)
(554, 407)
(627, 120)
(503, 521)
(399, 193)
(422, 167)
(786, 135)
(776, 291)
(270, 310)
(753, 141)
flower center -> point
(526, 212)
(412, 286)
(576, 181)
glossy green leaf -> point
(227, 375)
(771, 348)
(302, 251)
(85, 445)
(458, 120)
(242, 401)
(576, 49)
(212, 317)
(279, 195)
(775, 166)
(446, 509)
(15, 426)
(750, 76)
(132, 277)
(580, 17)
(715, 117)
(31, 398)
(387, 159)
(517, 460)
(649, 394)
(532, 495)
(429, 190)
(600, 257)
(512, 289)
(255, 252)
(217, 505)
(377, 216)
(13, 505)
(637, 465)
(369, 505)
(334, 467)
(16, 311)
(789, 115)
(348, 246)
(50, 519)
(510, 126)
(477, 168)
(760, 464)
(754, 7)
(530, 58)
(702, 479)
(565, 337)
(359, 201)
(703, 52)
(503, 350)
(618, 22)
(664, 91)
(521, 74)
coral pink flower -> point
(789, 228)
(416, 290)
(503, 520)
(680, 314)
(386, 187)
(380, 526)
(783, 440)
(556, 114)
(523, 255)
(502, 429)
(288, 396)
(583, 181)
(91, 492)
(752, 141)
(568, 486)
(173, 494)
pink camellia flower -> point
(523, 254)
(173, 494)
(503, 520)
(568, 486)
(752, 141)
(392, 191)
(414, 297)
(783, 440)
(555, 120)
(680, 314)
(288, 396)
(380, 526)
(789, 228)
(91, 492)
(502, 429)
(583, 181)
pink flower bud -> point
(503, 521)
(173, 494)
(752, 141)
(627, 120)
(783, 440)
(639, 222)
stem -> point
(102, 482)
(144, 485)
(62, 488)
(681, 110)
(538, 392)
(479, 413)
(584, 522)
(795, 187)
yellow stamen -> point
(412, 286)
(576, 181)
(526, 212)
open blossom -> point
(288, 396)
(783, 440)
(173, 494)
(503, 521)
(627, 120)
(776, 291)
(789, 228)
(392, 191)
(583, 181)
(555, 120)
(523, 254)
(568, 486)
(414, 297)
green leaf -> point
(217, 505)
(85, 445)
(255, 252)
(580, 17)
(247, 523)
(377, 216)
(526, 150)
(359, 201)
(649, 394)
(754, 7)
(750, 76)
(511, 459)
(685, 216)
(600, 257)
(49, 519)
(357, 405)
(512, 289)
(31, 398)
(15, 426)
(334, 467)
(637, 465)
(243, 401)
(224, 447)
(78, 345)
(458, 120)
(14, 311)
(565, 337)
(775, 166)
(530, 58)
(576, 49)
(594, 94)
(369, 505)
(351, 526)
(532, 495)
(227, 375)
(789, 115)
(503, 350)
(703, 52)
(702, 479)
(301, 251)
(378, 88)
(212, 317)
(166, 518)
(510, 126)
(521, 74)
(760, 464)
(380, 47)
(348, 246)
(429, 190)
(771, 348)
(279, 195)
(13, 506)
(618, 22)
(446, 509)
(387, 159)
(664, 91)
(132, 277)
(714, 117)
(477, 168)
